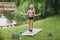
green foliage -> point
(20, 11)
(1, 38)
(45, 7)
(17, 2)
(9, 15)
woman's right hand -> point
(25, 14)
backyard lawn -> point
(49, 25)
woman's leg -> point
(31, 24)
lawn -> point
(48, 25)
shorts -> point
(30, 18)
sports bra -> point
(30, 12)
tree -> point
(17, 2)
(56, 6)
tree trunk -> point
(56, 6)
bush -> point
(1, 38)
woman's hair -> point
(32, 7)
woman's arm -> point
(36, 14)
(26, 14)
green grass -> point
(49, 25)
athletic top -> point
(30, 12)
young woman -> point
(31, 13)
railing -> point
(8, 6)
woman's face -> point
(31, 7)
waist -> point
(30, 15)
